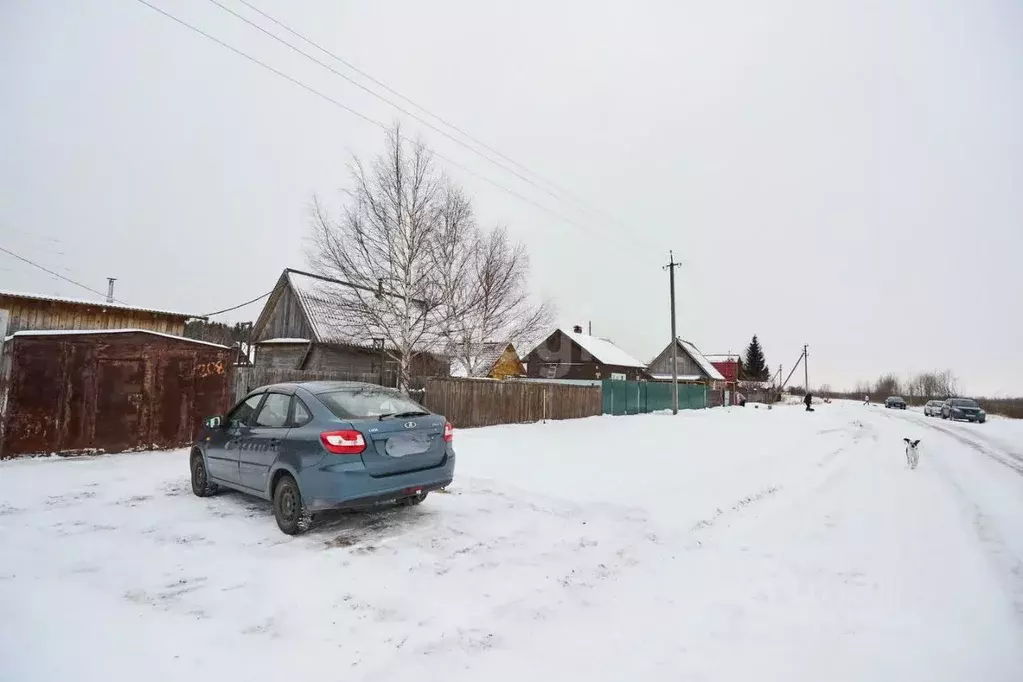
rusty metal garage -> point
(74, 392)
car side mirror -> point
(214, 422)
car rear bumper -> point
(354, 487)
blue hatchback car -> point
(313, 446)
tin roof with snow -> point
(315, 309)
(96, 303)
(602, 350)
(86, 332)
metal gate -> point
(108, 391)
(639, 397)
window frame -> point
(262, 404)
(261, 395)
(295, 401)
(382, 390)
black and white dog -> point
(912, 453)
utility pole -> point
(670, 267)
(806, 369)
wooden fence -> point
(467, 403)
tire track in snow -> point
(778, 498)
(1004, 457)
(1008, 564)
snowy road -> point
(734, 544)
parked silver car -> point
(933, 408)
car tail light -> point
(343, 442)
(449, 433)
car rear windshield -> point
(964, 402)
(897, 400)
(361, 403)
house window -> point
(617, 376)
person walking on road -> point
(808, 399)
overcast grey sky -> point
(847, 174)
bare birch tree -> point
(500, 309)
(381, 244)
(423, 275)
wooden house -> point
(306, 325)
(490, 361)
(38, 312)
(692, 366)
(575, 355)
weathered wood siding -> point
(686, 364)
(572, 362)
(286, 319)
(30, 314)
(469, 403)
(366, 362)
(280, 355)
(355, 361)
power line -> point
(240, 305)
(99, 293)
(366, 118)
(579, 202)
(51, 272)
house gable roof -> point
(602, 350)
(688, 348)
(488, 353)
(320, 301)
(94, 332)
(96, 304)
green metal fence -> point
(638, 397)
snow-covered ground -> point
(727, 544)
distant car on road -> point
(963, 408)
(933, 408)
(313, 446)
(895, 403)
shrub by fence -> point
(468, 403)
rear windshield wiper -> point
(414, 413)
